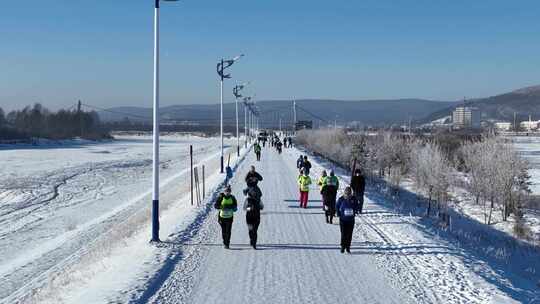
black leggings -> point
(346, 233)
(226, 228)
(330, 210)
(253, 226)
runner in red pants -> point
(303, 182)
(304, 199)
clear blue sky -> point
(57, 51)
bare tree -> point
(495, 175)
(432, 174)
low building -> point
(529, 125)
(503, 126)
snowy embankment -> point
(63, 209)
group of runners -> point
(227, 205)
(346, 207)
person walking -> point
(253, 206)
(227, 206)
(303, 182)
(329, 193)
(358, 185)
(257, 149)
(279, 146)
(320, 182)
(300, 162)
(346, 207)
(306, 165)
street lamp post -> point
(294, 116)
(250, 125)
(245, 125)
(236, 93)
(155, 135)
(221, 67)
(246, 118)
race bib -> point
(348, 212)
(227, 213)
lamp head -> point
(238, 57)
(157, 2)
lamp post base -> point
(155, 222)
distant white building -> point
(466, 117)
(529, 125)
(503, 126)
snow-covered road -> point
(394, 259)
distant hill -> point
(366, 112)
(523, 102)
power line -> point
(116, 112)
(313, 115)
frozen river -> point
(56, 199)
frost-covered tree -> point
(2, 117)
(432, 173)
(496, 175)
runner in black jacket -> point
(358, 185)
(253, 178)
(253, 206)
(306, 165)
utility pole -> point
(245, 126)
(79, 113)
(515, 126)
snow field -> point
(94, 224)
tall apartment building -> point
(466, 117)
